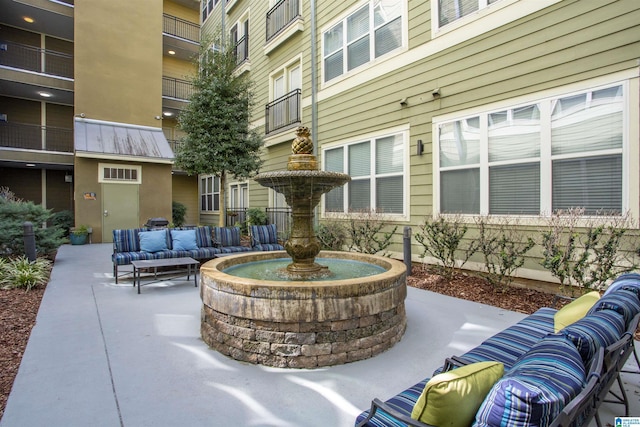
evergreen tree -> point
(219, 138)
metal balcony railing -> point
(25, 57)
(36, 137)
(281, 15)
(174, 144)
(176, 88)
(178, 27)
(241, 50)
(235, 216)
(283, 112)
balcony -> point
(174, 26)
(36, 137)
(30, 58)
(181, 37)
(280, 16)
(176, 88)
(283, 113)
(241, 50)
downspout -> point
(314, 79)
(314, 92)
(223, 12)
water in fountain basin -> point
(275, 269)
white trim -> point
(559, 91)
(403, 130)
(543, 100)
(497, 17)
(118, 124)
(137, 159)
(103, 180)
(373, 62)
(297, 25)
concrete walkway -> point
(102, 355)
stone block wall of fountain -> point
(310, 318)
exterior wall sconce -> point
(420, 148)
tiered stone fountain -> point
(307, 316)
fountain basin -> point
(302, 324)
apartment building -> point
(89, 95)
(475, 107)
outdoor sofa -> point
(200, 243)
(553, 368)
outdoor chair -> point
(265, 238)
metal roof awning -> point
(120, 141)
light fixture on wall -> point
(436, 93)
(420, 148)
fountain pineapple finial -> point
(302, 144)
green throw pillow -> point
(452, 398)
(575, 310)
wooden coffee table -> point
(177, 266)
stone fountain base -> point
(302, 324)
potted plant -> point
(78, 235)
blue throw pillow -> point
(536, 388)
(599, 329)
(153, 241)
(623, 301)
(628, 282)
(184, 240)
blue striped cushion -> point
(508, 345)
(599, 329)
(127, 240)
(227, 236)
(269, 247)
(203, 237)
(264, 234)
(233, 249)
(628, 282)
(622, 301)
(537, 388)
(402, 403)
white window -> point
(451, 10)
(559, 153)
(239, 195)
(286, 85)
(368, 33)
(209, 193)
(123, 174)
(376, 167)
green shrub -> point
(366, 235)
(256, 216)
(332, 235)
(13, 214)
(178, 212)
(585, 253)
(20, 273)
(63, 220)
(442, 238)
(503, 247)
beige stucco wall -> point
(118, 60)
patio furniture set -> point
(176, 249)
(553, 368)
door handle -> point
(106, 213)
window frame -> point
(373, 60)
(135, 181)
(545, 158)
(404, 134)
(213, 193)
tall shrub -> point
(586, 252)
(13, 214)
(366, 232)
(503, 247)
(442, 238)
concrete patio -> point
(102, 355)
